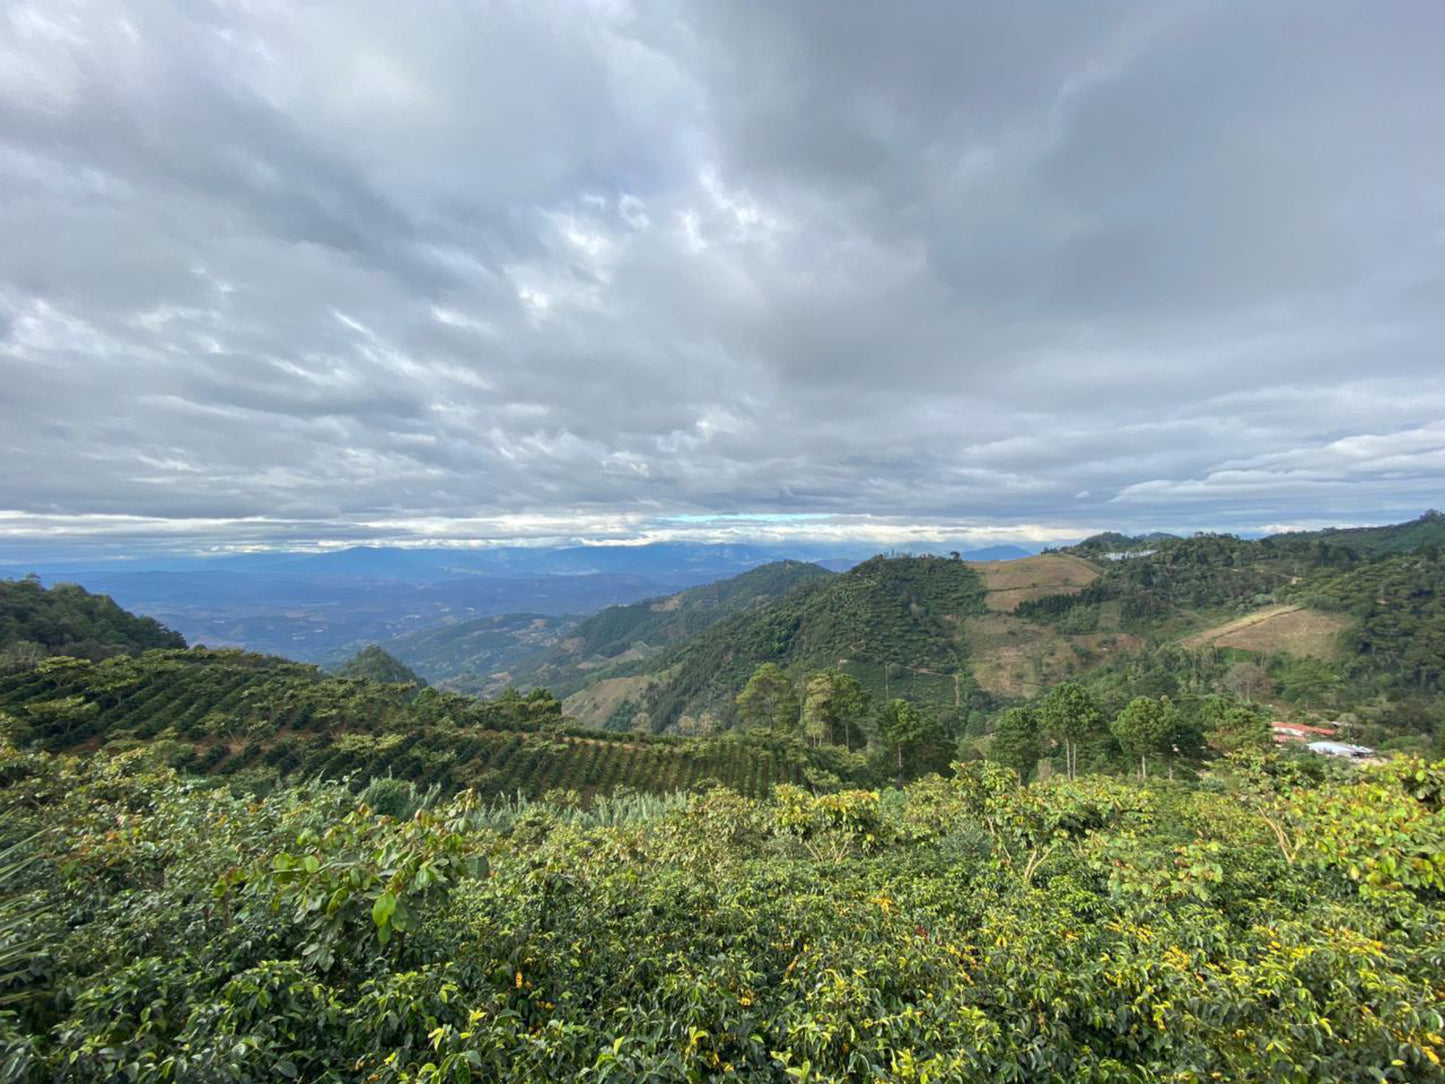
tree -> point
(1231, 727)
(912, 735)
(1016, 742)
(1145, 728)
(850, 705)
(769, 699)
(19, 656)
(1248, 681)
(819, 709)
(1068, 714)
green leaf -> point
(383, 909)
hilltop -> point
(68, 620)
(375, 664)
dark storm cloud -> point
(277, 271)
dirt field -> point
(1306, 633)
(1012, 657)
(1012, 582)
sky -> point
(287, 274)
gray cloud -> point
(369, 270)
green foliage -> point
(1069, 714)
(893, 624)
(371, 663)
(68, 620)
(362, 872)
(915, 739)
(21, 949)
(1016, 742)
(1400, 603)
(769, 699)
(1231, 727)
(961, 928)
(1148, 728)
(254, 719)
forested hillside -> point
(68, 620)
(893, 624)
(374, 664)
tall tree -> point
(1016, 742)
(850, 706)
(1068, 714)
(1147, 727)
(914, 736)
(1230, 726)
(820, 709)
(769, 699)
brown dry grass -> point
(1016, 658)
(1011, 582)
(1306, 633)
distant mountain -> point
(477, 656)
(319, 618)
(644, 628)
(998, 553)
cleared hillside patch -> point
(1290, 629)
(1016, 658)
(598, 702)
(1009, 583)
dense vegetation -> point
(1266, 925)
(256, 718)
(68, 620)
(890, 623)
(374, 664)
(222, 866)
(1388, 672)
(1399, 639)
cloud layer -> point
(281, 271)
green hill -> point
(68, 620)
(374, 664)
(892, 623)
(1427, 532)
(478, 656)
(643, 629)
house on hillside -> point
(1292, 732)
(1344, 750)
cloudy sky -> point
(288, 272)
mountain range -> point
(320, 607)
